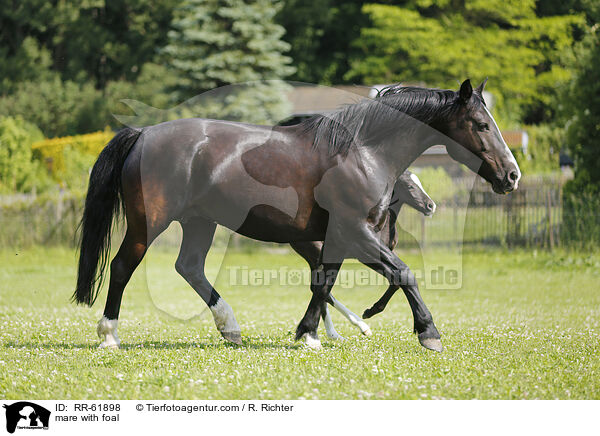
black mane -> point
(370, 121)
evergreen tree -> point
(216, 43)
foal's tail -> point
(103, 201)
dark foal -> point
(329, 179)
(407, 190)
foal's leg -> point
(380, 305)
(311, 251)
(350, 316)
(371, 251)
(197, 237)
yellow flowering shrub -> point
(68, 156)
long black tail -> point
(102, 203)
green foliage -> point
(581, 219)
(92, 40)
(320, 33)
(545, 143)
(18, 171)
(438, 43)
(29, 63)
(217, 43)
(61, 108)
(58, 108)
(437, 183)
(581, 106)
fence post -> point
(549, 213)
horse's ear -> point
(479, 89)
(466, 91)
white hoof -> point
(335, 336)
(107, 331)
(109, 345)
(226, 322)
(364, 328)
(312, 342)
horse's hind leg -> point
(130, 254)
(197, 238)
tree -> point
(582, 105)
(581, 109)
(93, 40)
(216, 43)
(438, 42)
(320, 33)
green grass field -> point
(524, 325)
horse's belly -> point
(267, 223)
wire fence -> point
(528, 217)
(532, 216)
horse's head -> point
(476, 134)
(408, 190)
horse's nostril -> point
(513, 175)
(430, 206)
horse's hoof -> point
(368, 313)
(312, 341)
(108, 345)
(367, 332)
(335, 336)
(432, 344)
(235, 337)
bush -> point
(57, 108)
(581, 217)
(545, 144)
(70, 158)
(67, 108)
(19, 172)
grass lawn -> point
(524, 325)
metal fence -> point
(528, 217)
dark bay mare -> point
(407, 190)
(327, 179)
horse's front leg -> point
(311, 252)
(400, 275)
(378, 256)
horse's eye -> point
(483, 126)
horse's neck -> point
(400, 152)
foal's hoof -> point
(335, 336)
(367, 332)
(109, 345)
(235, 337)
(312, 341)
(432, 344)
(368, 313)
